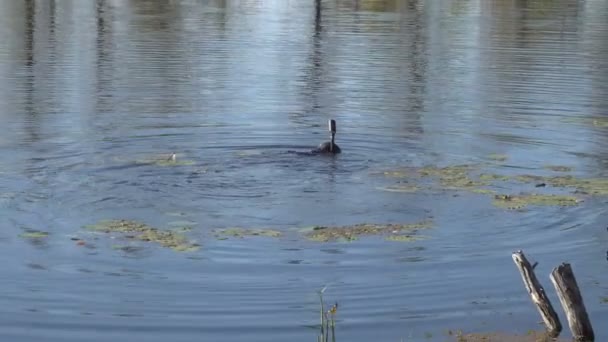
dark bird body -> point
(326, 147)
(329, 146)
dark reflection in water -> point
(92, 90)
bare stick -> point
(537, 293)
(572, 302)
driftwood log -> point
(537, 293)
(572, 302)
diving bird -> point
(329, 146)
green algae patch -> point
(522, 201)
(447, 171)
(118, 226)
(238, 232)
(34, 234)
(353, 232)
(173, 239)
(453, 177)
(498, 157)
(558, 168)
(467, 178)
(488, 177)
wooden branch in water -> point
(537, 293)
(572, 302)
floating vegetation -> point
(242, 232)
(604, 300)
(140, 231)
(498, 157)
(558, 168)
(447, 171)
(492, 177)
(454, 177)
(353, 232)
(34, 234)
(589, 186)
(467, 178)
(522, 201)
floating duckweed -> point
(350, 233)
(463, 178)
(498, 157)
(118, 226)
(447, 171)
(558, 168)
(522, 201)
(452, 177)
(242, 232)
(143, 232)
(492, 177)
(34, 234)
(461, 183)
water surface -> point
(90, 88)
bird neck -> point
(333, 138)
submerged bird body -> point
(329, 146)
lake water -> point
(89, 88)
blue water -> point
(90, 89)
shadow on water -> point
(98, 94)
